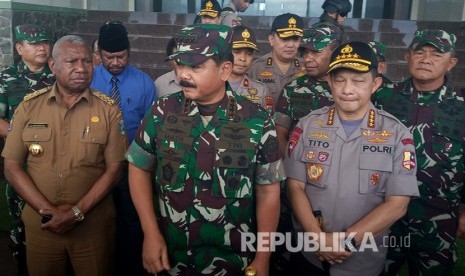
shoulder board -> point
(32, 95)
(103, 97)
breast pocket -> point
(317, 163)
(92, 146)
(171, 168)
(232, 178)
(38, 142)
(374, 170)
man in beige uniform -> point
(280, 66)
(244, 45)
(73, 141)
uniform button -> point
(60, 175)
(93, 139)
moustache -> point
(184, 83)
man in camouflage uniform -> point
(334, 14)
(244, 45)
(281, 65)
(311, 91)
(30, 74)
(380, 51)
(430, 107)
(229, 13)
(214, 156)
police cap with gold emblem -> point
(210, 8)
(357, 56)
(288, 25)
(243, 37)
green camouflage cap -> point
(317, 39)
(440, 39)
(379, 49)
(31, 33)
(356, 56)
(210, 8)
(197, 43)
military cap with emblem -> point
(243, 37)
(288, 25)
(440, 39)
(210, 8)
(197, 43)
(113, 37)
(342, 7)
(357, 56)
(379, 49)
(318, 38)
(31, 33)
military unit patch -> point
(314, 172)
(294, 139)
(409, 160)
(310, 155)
(407, 141)
(375, 178)
(323, 156)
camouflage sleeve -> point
(283, 117)
(269, 162)
(3, 99)
(293, 164)
(142, 151)
(381, 95)
(402, 180)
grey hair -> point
(73, 39)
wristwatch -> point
(78, 215)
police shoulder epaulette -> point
(103, 97)
(32, 95)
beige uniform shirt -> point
(77, 144)
(256, 92)
(265, 70)
(166, 84)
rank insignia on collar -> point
(246, 82)
(330, 121)
(269, 62)
(314, 172)
(371, 118)
(375, 178)
(296, 63)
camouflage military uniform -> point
(15, 82)
(436, 120)
(299, 98)
(205, 177)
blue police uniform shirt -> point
(137, 92)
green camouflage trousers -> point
(428, 247)
(15, 208)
